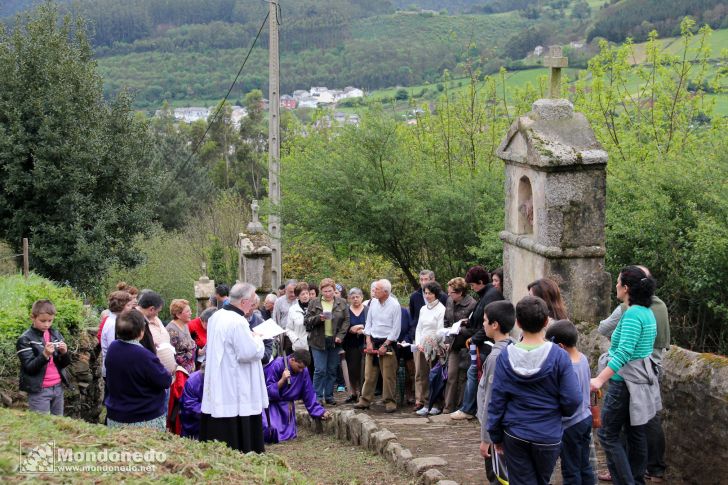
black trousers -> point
(242, 433)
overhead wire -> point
(219, 109)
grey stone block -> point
(355, 429)
(380, 439)
(417, 466)
(343, 418)
(432, 476)
(368, 428)
(553, 109)
(402, 456)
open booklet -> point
(444, 332)
(268, 329)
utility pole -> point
(274, 146)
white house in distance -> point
(321, 95)
(190, 115)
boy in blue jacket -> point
(534, 387)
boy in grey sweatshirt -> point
(498, 320)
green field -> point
(538, 77)
(717, 42)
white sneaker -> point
(459, 415)
(434, 412)
(422, 412)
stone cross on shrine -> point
(556, 61)
(254, 226)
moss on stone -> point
(713, 360)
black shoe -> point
(352, 398)
(331, 402)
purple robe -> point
(281, 418)
(191, 402)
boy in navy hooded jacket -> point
(534, 387)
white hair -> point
(386, 285)
(271, 297)
(242, 291)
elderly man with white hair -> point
(235, 394)
(267, 310)
(381, 331)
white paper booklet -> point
(268, 329)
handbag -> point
(595, 409)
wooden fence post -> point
(26, 264)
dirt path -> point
(456, 441)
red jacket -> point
(174, 422)
(198, 332)
(101, 327)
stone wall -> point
(695, 416)
(84, 397)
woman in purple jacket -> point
(191, 402)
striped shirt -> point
(633, 339)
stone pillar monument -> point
(255, 261)
(555, 191)
(204, 289)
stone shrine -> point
(255, 260)
(204, 290)
(555, 188)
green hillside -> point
(383, 50)
(188, 52)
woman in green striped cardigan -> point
(632, 341)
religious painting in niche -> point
(525, 207)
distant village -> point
(315, 97)
(319, 97)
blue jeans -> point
(470, 406)
(575, 461)
(626, 467)
(326, 364)
(529, 463)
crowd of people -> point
(464, 351)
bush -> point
(306, 259)
(18, 297)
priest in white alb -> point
(234, 394)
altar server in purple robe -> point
(287, 384)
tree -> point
(252, 153)
(581, 10)
(184, 183)
(390, 188)
(76, 176)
